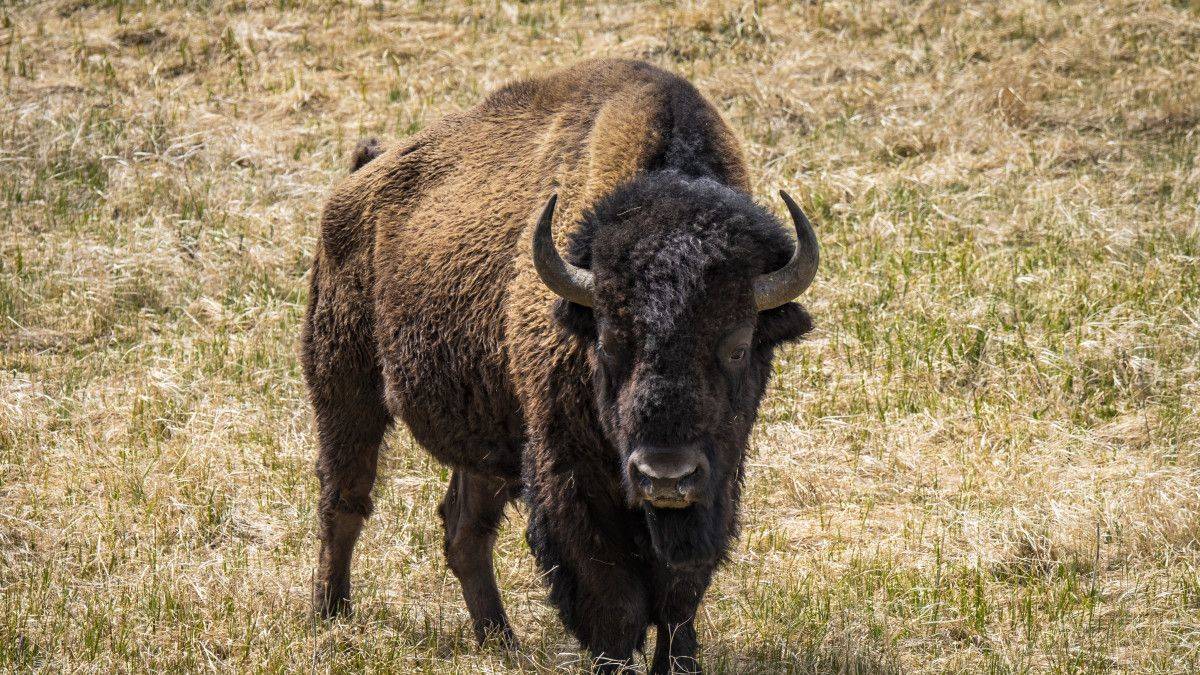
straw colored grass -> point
(987, 458)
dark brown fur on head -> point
(426, 307)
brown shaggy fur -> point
(425, 307)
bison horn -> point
(788, 282)
(568, 281)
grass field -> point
(987, 458)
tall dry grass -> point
(987, 458)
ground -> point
(987, 458)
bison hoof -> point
(331, 600)
(501, 635)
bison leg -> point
(600, 590)
(675, 648)
(601, 601)
(471, 512)
(608, 613)
(676, 598)
(351, 427)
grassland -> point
(986, 459)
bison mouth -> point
(685, 535)
(669, 503)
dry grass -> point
(987, 459)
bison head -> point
(680, 288)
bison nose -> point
(667, 477)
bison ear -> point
(785, 323)
(577, 319)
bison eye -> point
(733, 351)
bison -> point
(613, 386)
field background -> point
(986, 458)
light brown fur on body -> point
(425, 306)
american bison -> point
(613, 387)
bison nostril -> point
(667, 488)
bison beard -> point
(685, 538)
(438, 298)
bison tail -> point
(366, 150)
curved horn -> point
(788, 282)
(566, 280)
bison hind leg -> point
(471, 512)
(351, 423)
(345, 387)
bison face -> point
(666, 291)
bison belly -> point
(439, 297)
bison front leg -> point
(601, 600)
(677, 596)
(605, 606)
(675, 648)
(471, 512)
